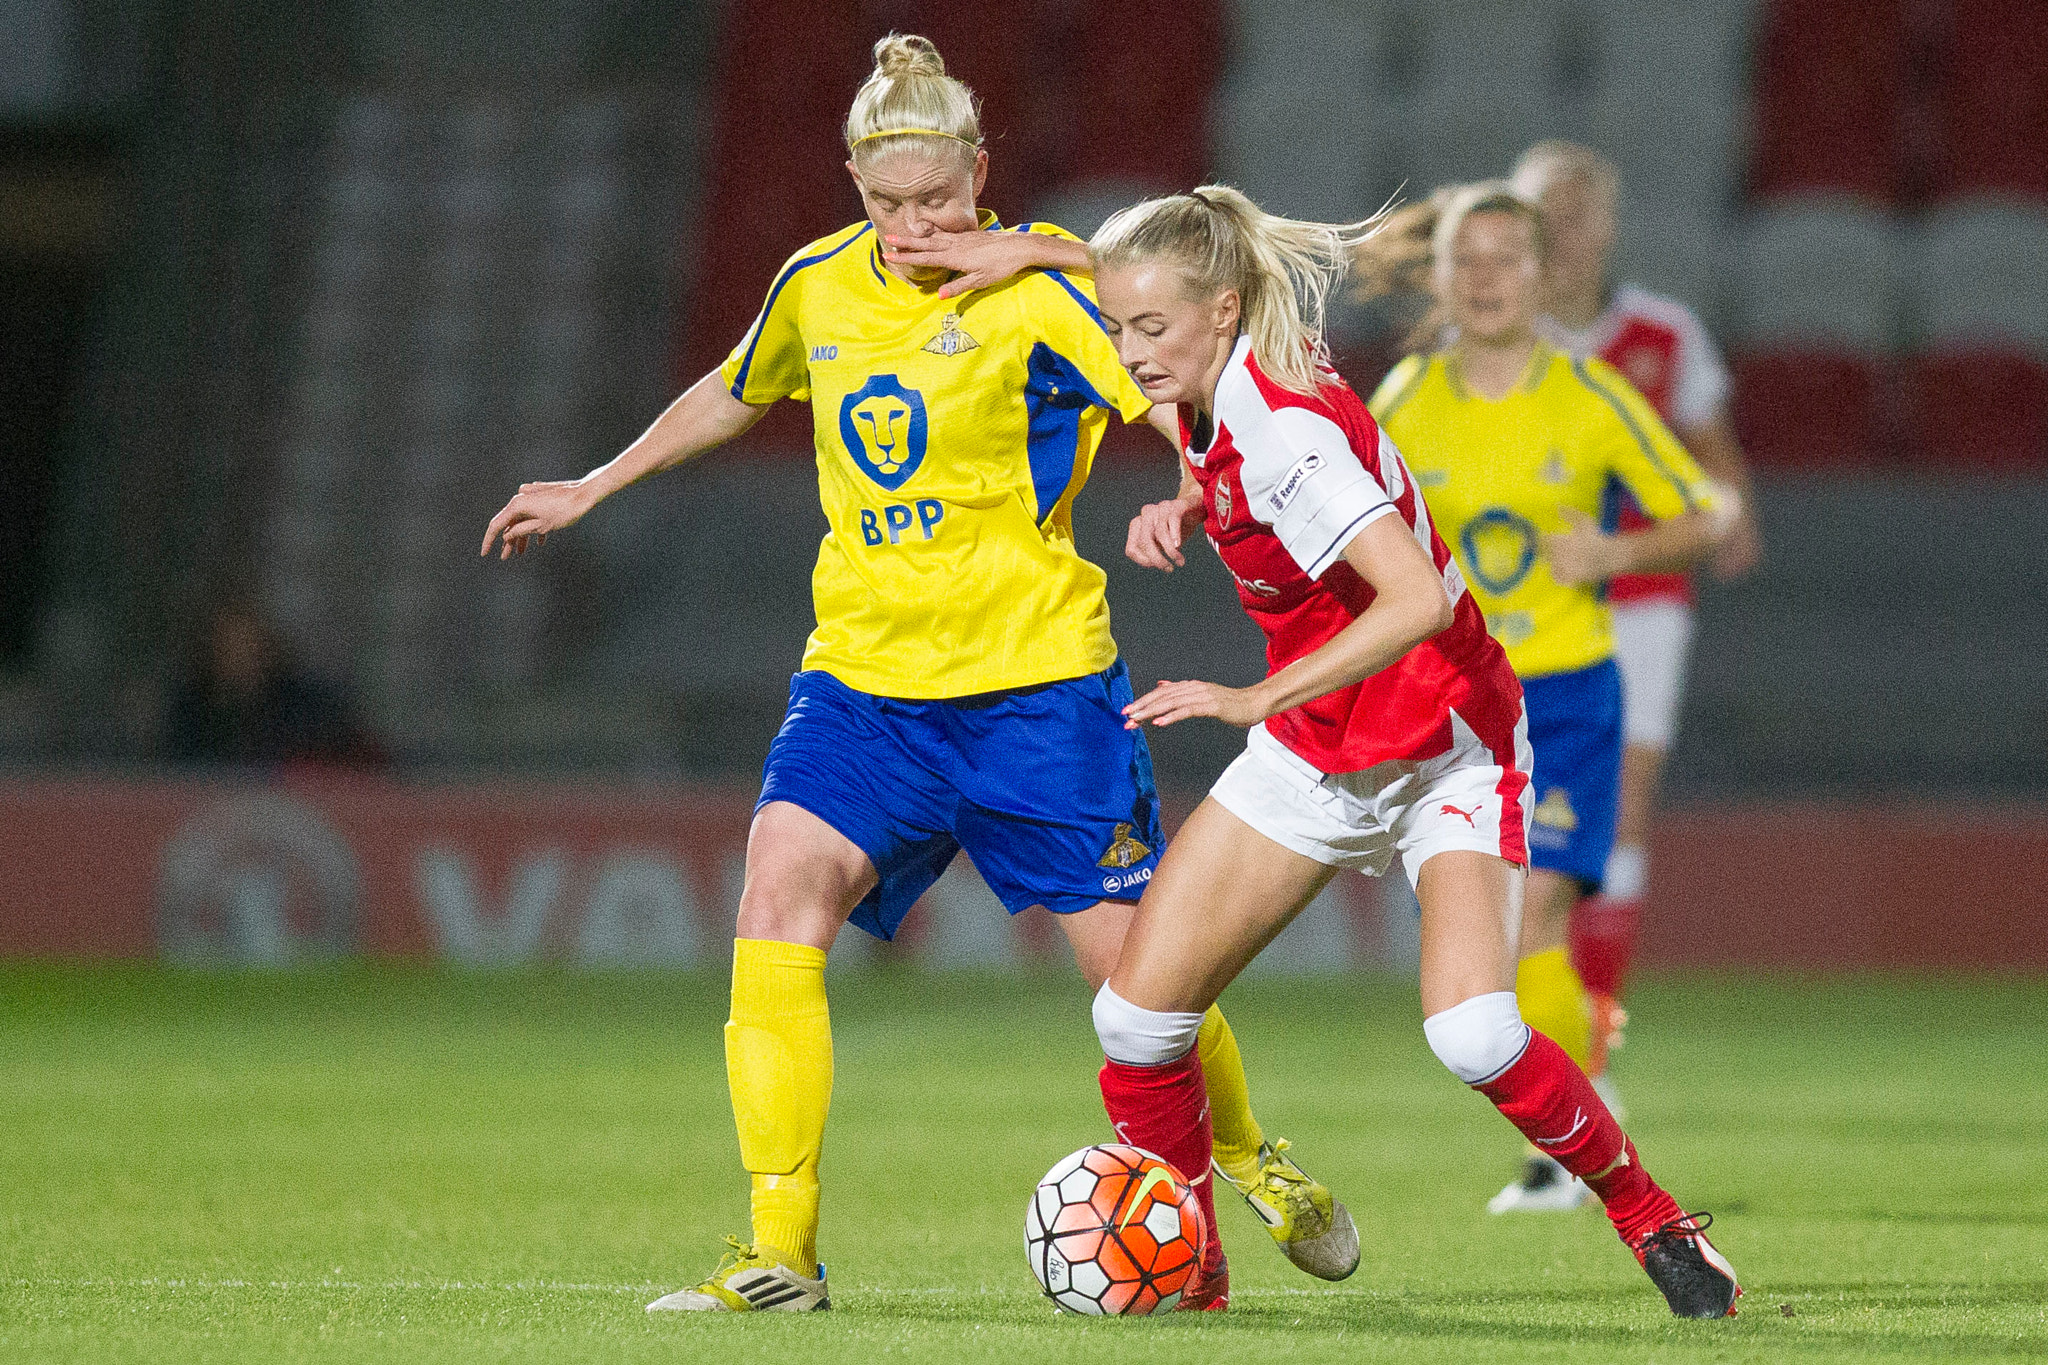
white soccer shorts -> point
(1652, 642)
(1463, 799)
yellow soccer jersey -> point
(1498, 475)
(952, 438)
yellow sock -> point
(778, 1061)
(1230, 1098)
(1554, 1002)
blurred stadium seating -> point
(348, 273)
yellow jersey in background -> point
(1498, 476)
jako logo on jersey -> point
(951, 340)
(883, 425)
(1465, 814)
(1303, 470)
(1154, 1178)
(1124, 848)
(824, 353)
(1499, 548)
(1112, 885)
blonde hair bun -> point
(907, 54)
(909, 99)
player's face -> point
(914, 193)
(1579, 221)
(1173, 341)
(1492, 280)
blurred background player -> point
(1515, 444)
(961, 690)
(1390, 722)
(1666, 353)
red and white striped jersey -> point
(1662, 348)
(1287, 482)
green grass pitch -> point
(386, 1164)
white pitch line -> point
(439, 1286)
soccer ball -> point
(1113, 1230)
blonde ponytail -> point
(1282, 269)
(910, 96)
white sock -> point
(1628, 873)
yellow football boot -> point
(1313, 1229)
(748, 1281)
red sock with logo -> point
(1165, 1110)
(1546, 1096)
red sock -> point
(1546, 1096)
(1602, 935)
(1165, 1110)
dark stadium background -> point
(295, 295)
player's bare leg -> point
(1221, 893)
(1469, 927)
(1305, 1220)
(1554, 1003)
(803, 879)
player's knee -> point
(781, 908)
(1479, 1038)
(1142, 1037)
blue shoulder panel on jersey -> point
(1056, 394)
(1087, 304)
(739, 383)
(1585, 374)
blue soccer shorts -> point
(1042, 786)
(1575, 731)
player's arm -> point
(1633, 443)
(1713, 444)
(981, 257)
(1161, 528)
(771, 362)
(1409, 607)
(1586, 554)
(705, 416)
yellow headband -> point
(914, 132)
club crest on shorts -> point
(950, 340)
(1555, 810)
(1125, 847)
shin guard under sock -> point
(1165, 1110)
(778, 1058)
(1236, 1130)
(1553, 1002)
(1546, 1096)
(1602, 934)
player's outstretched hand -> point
(1158, 532)
(1172, 701)
(537, 509)
(1582, 554)
(1741, 550)
(978, 257)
